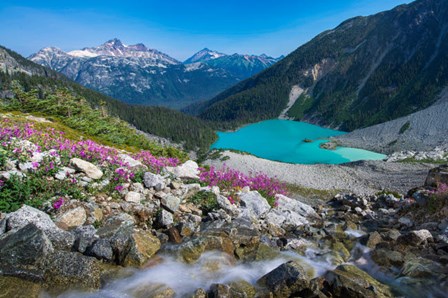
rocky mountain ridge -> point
(137, 74)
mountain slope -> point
(366, 71)
(139, 75)
(420, 131)
(45, 83)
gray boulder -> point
(26, 215)
(170, 202)
(101, 249)
(22, 253)
(85, 236)
(285, 203)
(287, 280)
(65, 270)
(153, 180)
(254, 204)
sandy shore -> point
(367, 177)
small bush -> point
(206, 201)
(405, 127)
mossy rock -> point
(350, 281)
(13, 287)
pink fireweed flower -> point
(119, 187)
(58, 203)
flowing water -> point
(212, 267)
(289, 141)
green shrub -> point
(405, 127)
(206, 201)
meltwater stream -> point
(212, 267)
(292, 142)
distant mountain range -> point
(139, 75)
(368, 70)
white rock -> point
(285, 203)
(133, 197)
(254, 203)
(225, 204)
(7, 175)
(132, 163)
(86, 167)
(63, 173)
(26, 166)
(189, 169)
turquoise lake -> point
(283, 140)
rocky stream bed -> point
(157, 240)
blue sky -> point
(178, 28)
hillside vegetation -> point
(44, 85)
(366, 71)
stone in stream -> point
(87, 168)
(26, 215)
(234, 289)
(386, 257)
(174, 235)
(153, 290)
(372, 239)
(350, 281)
(165, 218)
(13, 287)
(287, 280)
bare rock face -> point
(437, 176)
(87, 168)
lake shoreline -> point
(362, 177)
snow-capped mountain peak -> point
(204, 55)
